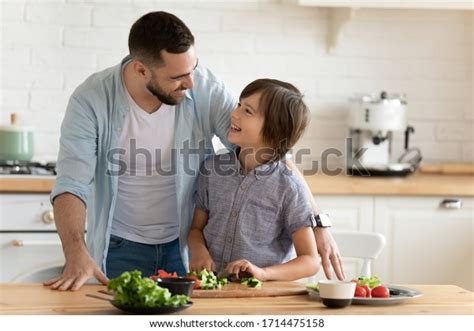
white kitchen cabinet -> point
(342, 12)
(30, 257)
(348, 213)
(426, 243)
(30, 248)
(401, 4)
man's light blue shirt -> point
(88, 164)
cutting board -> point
(448, 169)
(268, 289)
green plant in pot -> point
(16, 142)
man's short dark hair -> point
(157, 31)
(285, 113)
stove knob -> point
(48, 217)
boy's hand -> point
(200, 261)
(239, 266)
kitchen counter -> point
(418, 184)
(36, 299)
(26, 184)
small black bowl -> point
(177, 285)
(336, 303)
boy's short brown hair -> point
(285, 114)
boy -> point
(250, 209)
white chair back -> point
(364, 245)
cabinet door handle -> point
(21, 243)
(48, 217)
(451, 204)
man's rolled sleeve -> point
(223, 102)
(69, 185)
(201, 196)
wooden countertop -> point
(26, 184)
(36, 299)
(417, 184)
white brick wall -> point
(49, 47)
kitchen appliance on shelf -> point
(372, 120)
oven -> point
(30, 248)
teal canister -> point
(16, 142)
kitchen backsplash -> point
(49, 47)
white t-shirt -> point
(146, 208)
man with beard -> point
(132, 142)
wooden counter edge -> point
(26, 185)
(412, 185)
(460, 301)
(418, 184)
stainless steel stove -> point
(27, 168)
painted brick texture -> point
(49, 47)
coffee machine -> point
(372, 120)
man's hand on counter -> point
(79, 268)
(327, 249)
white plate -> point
(405, 294)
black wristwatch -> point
(322, 221)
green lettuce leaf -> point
(371, 282)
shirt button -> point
(229, 240)
(233, 214)
(243, 187)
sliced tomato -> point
(197, 284)
(164, 274)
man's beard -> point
(158, 92)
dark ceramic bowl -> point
(179, 285)
(336, 303)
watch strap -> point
(322, 220)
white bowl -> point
(335, 293)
